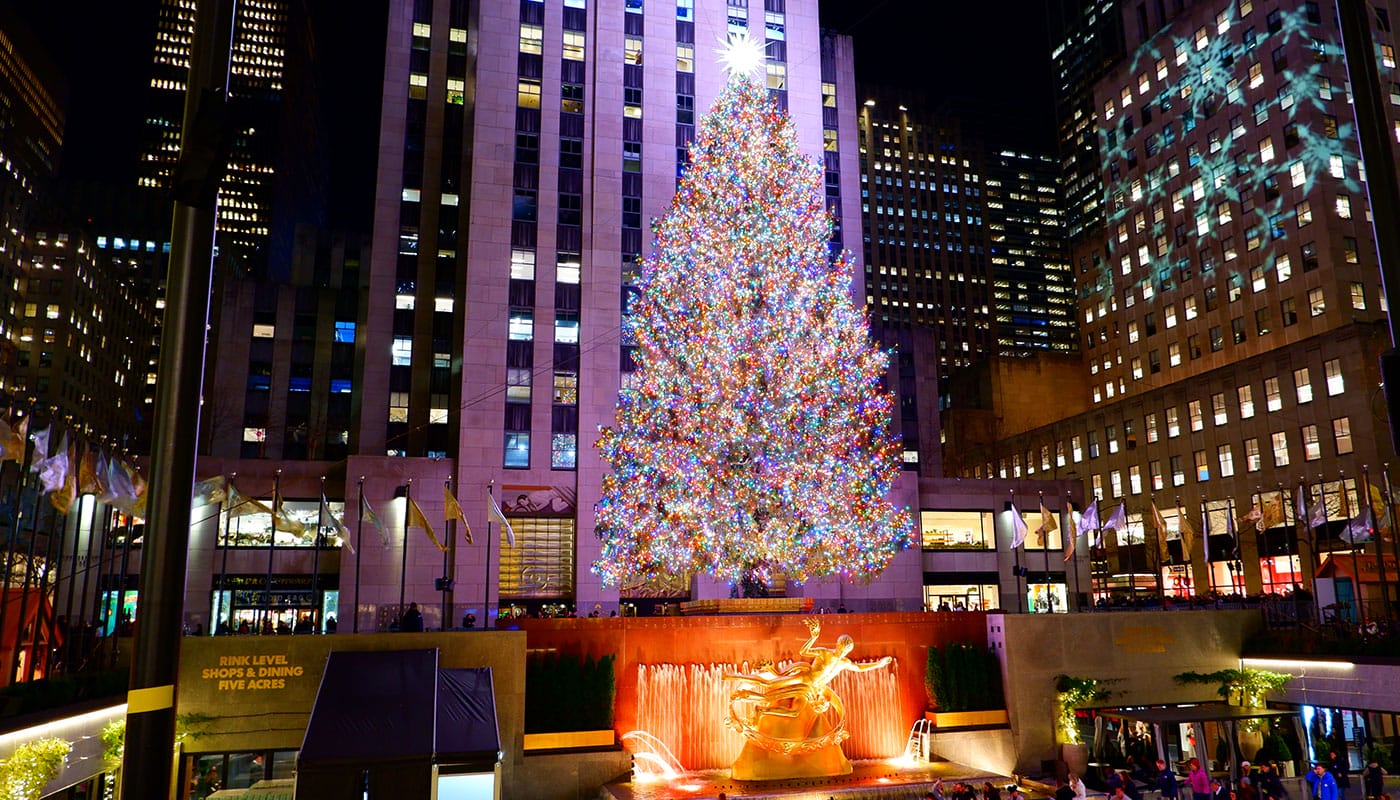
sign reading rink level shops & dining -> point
(253, 673)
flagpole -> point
(223, 568)
(1045, 550)
(17, 514)
(318, 623)
(451, 525)
(359, 555)
(1067, 524)
(1326, 531)
(56, 567)
(1098, 537)
(1390, 512)
(1376, 534)
(1161, 548)
(73, 566)
(1312, 547)
(24, 592)
(43, 579)
(1205, 546)
(1016, 553)
(1351, 539)
(87, 575)
(271, 549)
(403, 557)
(486, 582)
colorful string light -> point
(752, 438)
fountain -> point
(685, 707)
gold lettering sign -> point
(252, 672)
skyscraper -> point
(272, 176)
(1230, 305)
(31, 135)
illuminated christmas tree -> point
(752, 438)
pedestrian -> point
(1062, 790)
(1166, 781)
(1080, 791)
(1373, 780)
(412, 621)
(1321, 784)
(1341, 771)
(1218, 791)
(1198, 780)
(1269, 785)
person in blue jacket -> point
(1321, 784)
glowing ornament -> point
(741, 55)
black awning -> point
(467, 735)
(373, 707)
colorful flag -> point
(88, 481)
(241, 505)
(53, 471)
(1118, 522)
(1160, 523)
(416, 519)
(1018, 524)
(41, 449)
(1089, 520)
(493, 511)
(1319, 512)
(1271, 512)
(281, 520)
(1069, 545)
(211, 491)
(1380, 511)
(451, 509)
(1300, 502)
(328, 520)
(1188, 533)
(1360, 529)
(12, 440)
(62, 498)
(367, 513)
(120, 486)
(1251, 520)
(1047, 524)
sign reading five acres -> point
(252, 672)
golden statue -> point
(792, 722)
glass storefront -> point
(957, 530)
(245, 605)
(207, 773)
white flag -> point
(493, 511)
(1018, 524)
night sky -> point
(986, 53)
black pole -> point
(266, 614)
(451, 525)
(1375, 534)
(73, 563)
(1390, 512)
(1067, 520)
(359, 555)
(1016, 553)
(1351, 539)
(1373, 132)
(316, 563)
(1045, 551)
(24, 592)
(150, 727)
(51, 565)
(486, 580)
(225, 607)
(104, 561)
(403, 556)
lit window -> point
(566, 327)
(1336, 384)
(1302, 382)
(1280, 445)
(522, 324)
(522, 265)
(1273, 396)
(685, 58)
(528, 94)
(437, 415)
(1341, 434)
(517, 449)
(563, 451)
(1193, 411)
(1358, 296)
(1303, 211)
(532, 39)
(403, 302)
(1246, 395)
(401, 352)
(1317, 303)
(1226, 457)
(1218, 410)
(1312, 446)
(633, 50)
(1202, 465)
(1150, 426)
(573, 45)
(398, 406)
(255, 434)
(1173, 424)
(344, 332)
(1344, 206)
(264, 331)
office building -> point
(1230, 307)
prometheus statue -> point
(792, 721)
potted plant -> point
(31, 767)
(1071, 694)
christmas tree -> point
(752, 438)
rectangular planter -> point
(967, 719)
(569, 740)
